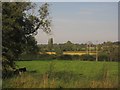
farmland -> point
(66, 74)
(74, 52)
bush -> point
(68, 57)
(46, 57)
(103, 57)
(37, 57)
(87, 57)
(65, 57)
(75, 57)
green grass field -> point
(66, 74)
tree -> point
(69, 46)
(19, 28)
(50, 44)
(111, 50)
(31, 46)
(58, 50)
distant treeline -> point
(69, 46)
(107, 51)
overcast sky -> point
(81, 22)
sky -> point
(81, 22)
(74, 0)
(60, 0)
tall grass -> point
(103, 79)
(28, 81)
(73, 75)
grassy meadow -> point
(65, 74)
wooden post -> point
(96, 52)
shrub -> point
(37, 57)
(87, 57)
(65, 57)
(75, 57)
(102, 57)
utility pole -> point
(96, 51)
(87, 48)
(90, 45)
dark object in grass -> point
(22, 69)
(19, 71)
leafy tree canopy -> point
(19, 28)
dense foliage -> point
(19, 28)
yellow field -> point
(74, 53)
